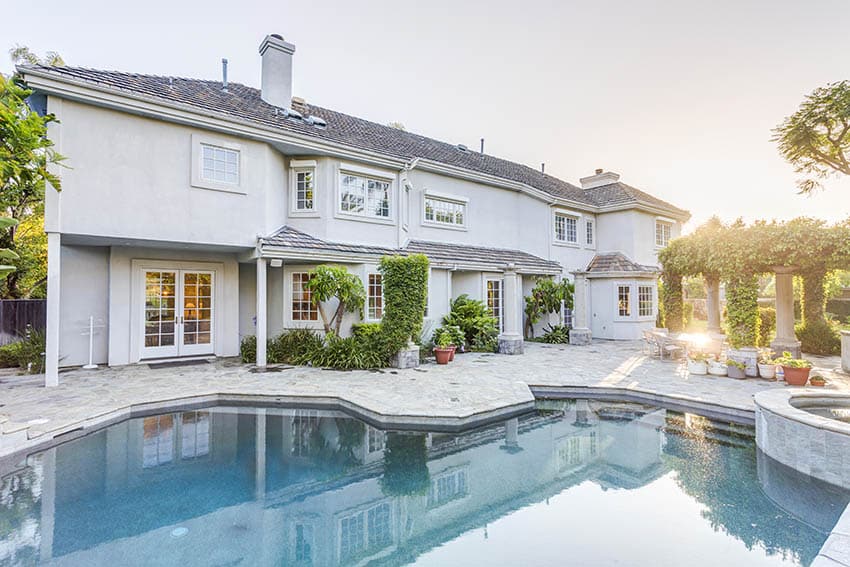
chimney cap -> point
(598, 170)
(599, 179)
(276, 41)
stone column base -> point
(845, 351)
(779, 346)
(580, 337)
(406, 358)
(747, 355)
(509, 344)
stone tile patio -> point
(474, 388)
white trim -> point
(654, 293)
(616, 314)
(463, 201)
(445, 196)
(289, 322)
(490, 278)
(372, 271)
(556, 212)
(305, 163)
(366, 171)
(296, 167)
(198, 180)
(374, 175)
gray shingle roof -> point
(245, 104)
(290, 238)
(616, 262)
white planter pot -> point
(699, 368)
(717, 368)
(767, 371)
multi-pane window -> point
(304, 543)
(494, 299)
(304, 424)
(445, 211)
(646, 307)
(566, 229)
(624, 301)
(304, 190)
(662, 233)
(303, 308)
(158, 443)
(588, 228)
(160, 297)
(367, 530)
(364, 196)
(378, 519)
(195, 437)
(375, 297)
(447, 487)
(377, 440)
(197, 308)
(351, 532)
(219, 164)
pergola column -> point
(262, 323)
(580, 333)
(51, 351)
(785, 339)
(510, 340)
(712, 303)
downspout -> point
(405, 188)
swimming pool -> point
(580, 482)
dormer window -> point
(566, 228)
(663, 233)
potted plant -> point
(697, 363)
(817, 380)
(443, 350)
(796, 370)
(717, 367)
(767, 366)
(456, 337)
(735, 369)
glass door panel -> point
(177, 316)
(197, 320)
(160, 331)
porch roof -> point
(290, 242)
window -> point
(302, 299)
(378, 519)
(219, 164)
(364, 196)
(445, 211)
(368, 530)
(646, 307)
(624, 301)
(304, 543)
(351, 530)
(304, 423)
(158, 444)
(304, 190)
(196, 434)
(375, 297)
(566, 228)
(662, 233)
(494, 299)
(588, 227)
(377, 440)
(447, 487)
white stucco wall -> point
(605, 322)
(84, 294)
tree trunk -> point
(325, 322)
(814, 300)
(338, 314)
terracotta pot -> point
(796, 376)
(443, 355)
(452, 355)
(817, 382)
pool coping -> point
(778, 402)
(835, 551)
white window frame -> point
(295, 168)
(368, 285)
(368, 174)
(501, 317)
(590, 232)
(617, 287)
(199, 181)
(659, 221)
(463, 202)
(653, 301)
(289, 279)
(575, 217)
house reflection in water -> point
(302, 487)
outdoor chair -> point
(650, 344)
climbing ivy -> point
(742, 311)
(405, 282)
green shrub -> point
(819, 337)
(687, 314)
(27, 353)
(556, 334)
(479, 327)
(767, 325)
(405, 283)
(291, 347)
(672, 299)
(452, 335)
(366, 330)
(742, 312)
(350, 353)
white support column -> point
(48, 504)
(510, 341)
(511, 436)
(260, 456)
(712, 304)
(786, 339)
(51, 356)
(262, 324)
(580, 333)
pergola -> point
(737, 254)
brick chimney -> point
(599, 179)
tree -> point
(5, 253)
(22, 54)
(397, 126)
(26, 157)
(334, 282)
(816, 138)
(547, 296)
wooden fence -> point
(17, 314)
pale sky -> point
(677, 96)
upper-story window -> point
(364, 196)
(663, 232)
(588, 232)
(444, 211)
(220, 164)
(303, 180)
(566, 228)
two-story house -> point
(193, 210)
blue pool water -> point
(577, 483)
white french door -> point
(495, 300)
(178, 313)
